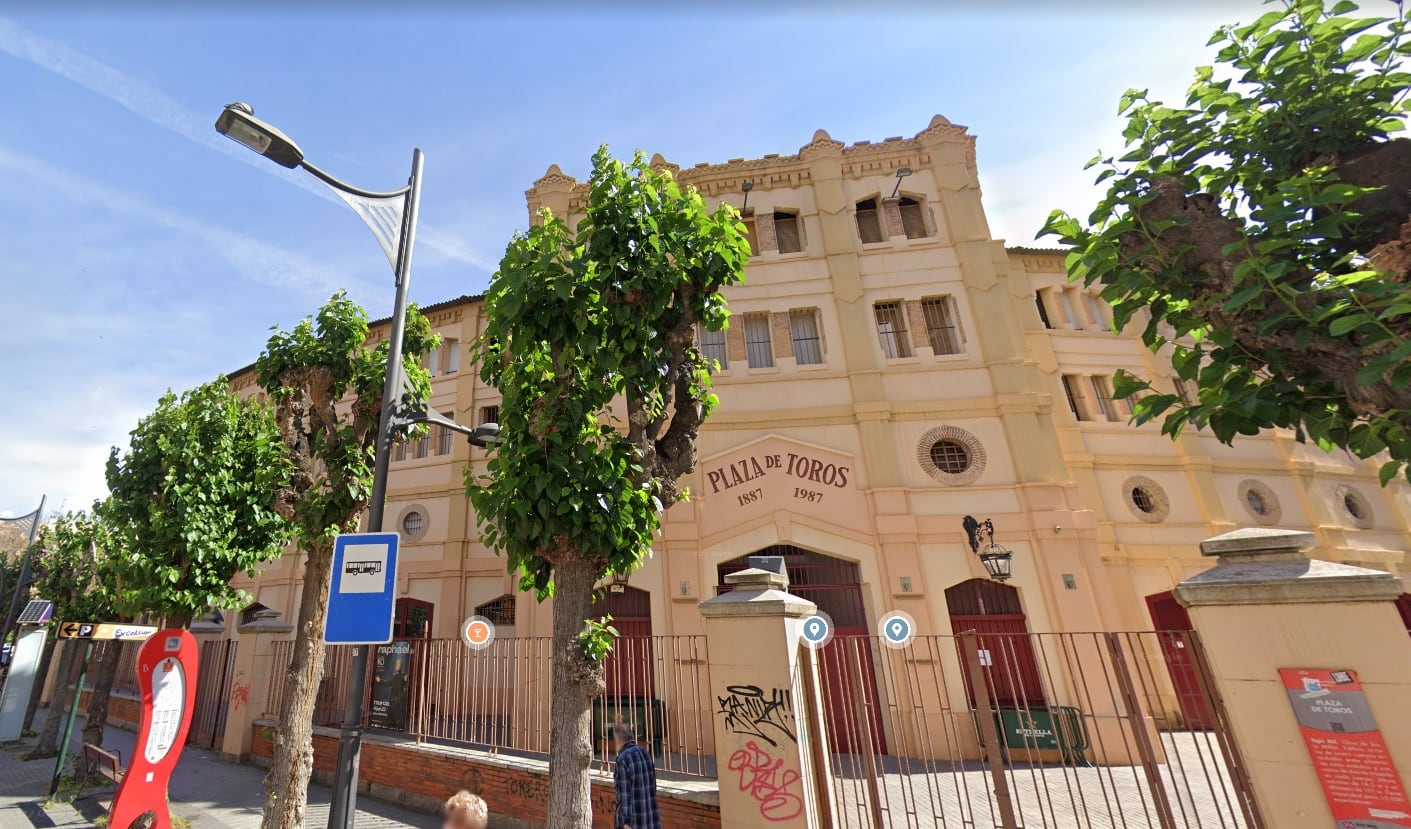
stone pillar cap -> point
(266, 621)
(755, 577)
(1257, 540)
(757, 593)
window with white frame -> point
(891, 330)
(759, 350)
(787, 233)
(869, 222)
(714, 348)
(913, 218)
(942, 331)
(450, 355)
(808, 343)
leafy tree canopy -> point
(579, 317)
(73, 567)
(192, 504)
(1260, 234)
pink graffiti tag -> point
(768, 782)
(240, 696)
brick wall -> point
(422, 776)
(780, 333)
(123, 711)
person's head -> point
(466, 811)
(622, 736)
(146, 820)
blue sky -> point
(142, 251)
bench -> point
(105, 763)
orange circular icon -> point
(477, 632)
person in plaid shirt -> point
(636, 780)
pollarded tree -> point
(1260, 232)
(191, 506)
(326, 385)
(576, 319)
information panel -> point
(166, 674)
(1353, 764)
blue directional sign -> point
(360, 597)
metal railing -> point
(1035, 730)
(498, 699)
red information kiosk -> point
(166, 673)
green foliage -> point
(1246, 233)
(579, 317)
(192, 503)
(308, 372)
(597, 638)
(73, 568)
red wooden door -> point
(1171, 621)
(628, 667)
(835, 586)
(1403, 606)
(994, 612)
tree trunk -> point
(40, 676)
(287, 783)
(104, 672)
(59, 701)
(577, 680)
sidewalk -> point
(207, 791)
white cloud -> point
(160, 109)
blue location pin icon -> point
(897, 629)
(817, 630)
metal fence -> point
(1034, 730)
(498, 699)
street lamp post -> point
(391, 216)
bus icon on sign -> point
(359, 568)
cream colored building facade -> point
(890, 369)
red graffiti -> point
(768, 782)
(240, 696)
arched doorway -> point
(994, 612)
(835, 586)
(628, 667)
(1170, 621)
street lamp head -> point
(486, 434)
(238, 123)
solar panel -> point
(37, 612)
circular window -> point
(951, 455)
(414, 524)
(1355, 506)
(1260, 501)
(1146, 499)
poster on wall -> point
(391, 686)
(1363, 788)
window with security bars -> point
(869, 224)
(423, 445)
(1074, 393)
(787, 232)
(913, 219)
(759, 350)
(941, 329)
(713, 347)
(891, 330)
(803, 329)
(489, 414)
(1102, 398)
(399, 450)
(499, 611)
(445, 440)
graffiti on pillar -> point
(239, 696)
(766, 780)
(751, 711)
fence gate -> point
(213, 682)
(985, 728)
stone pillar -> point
(1265, 606)
(767, 710)
(249, 687)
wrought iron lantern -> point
(618, 584)
(997, 560)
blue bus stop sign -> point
(360, 597)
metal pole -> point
(73, 714)
(345, 773)
(24, 571)
(985, 721)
